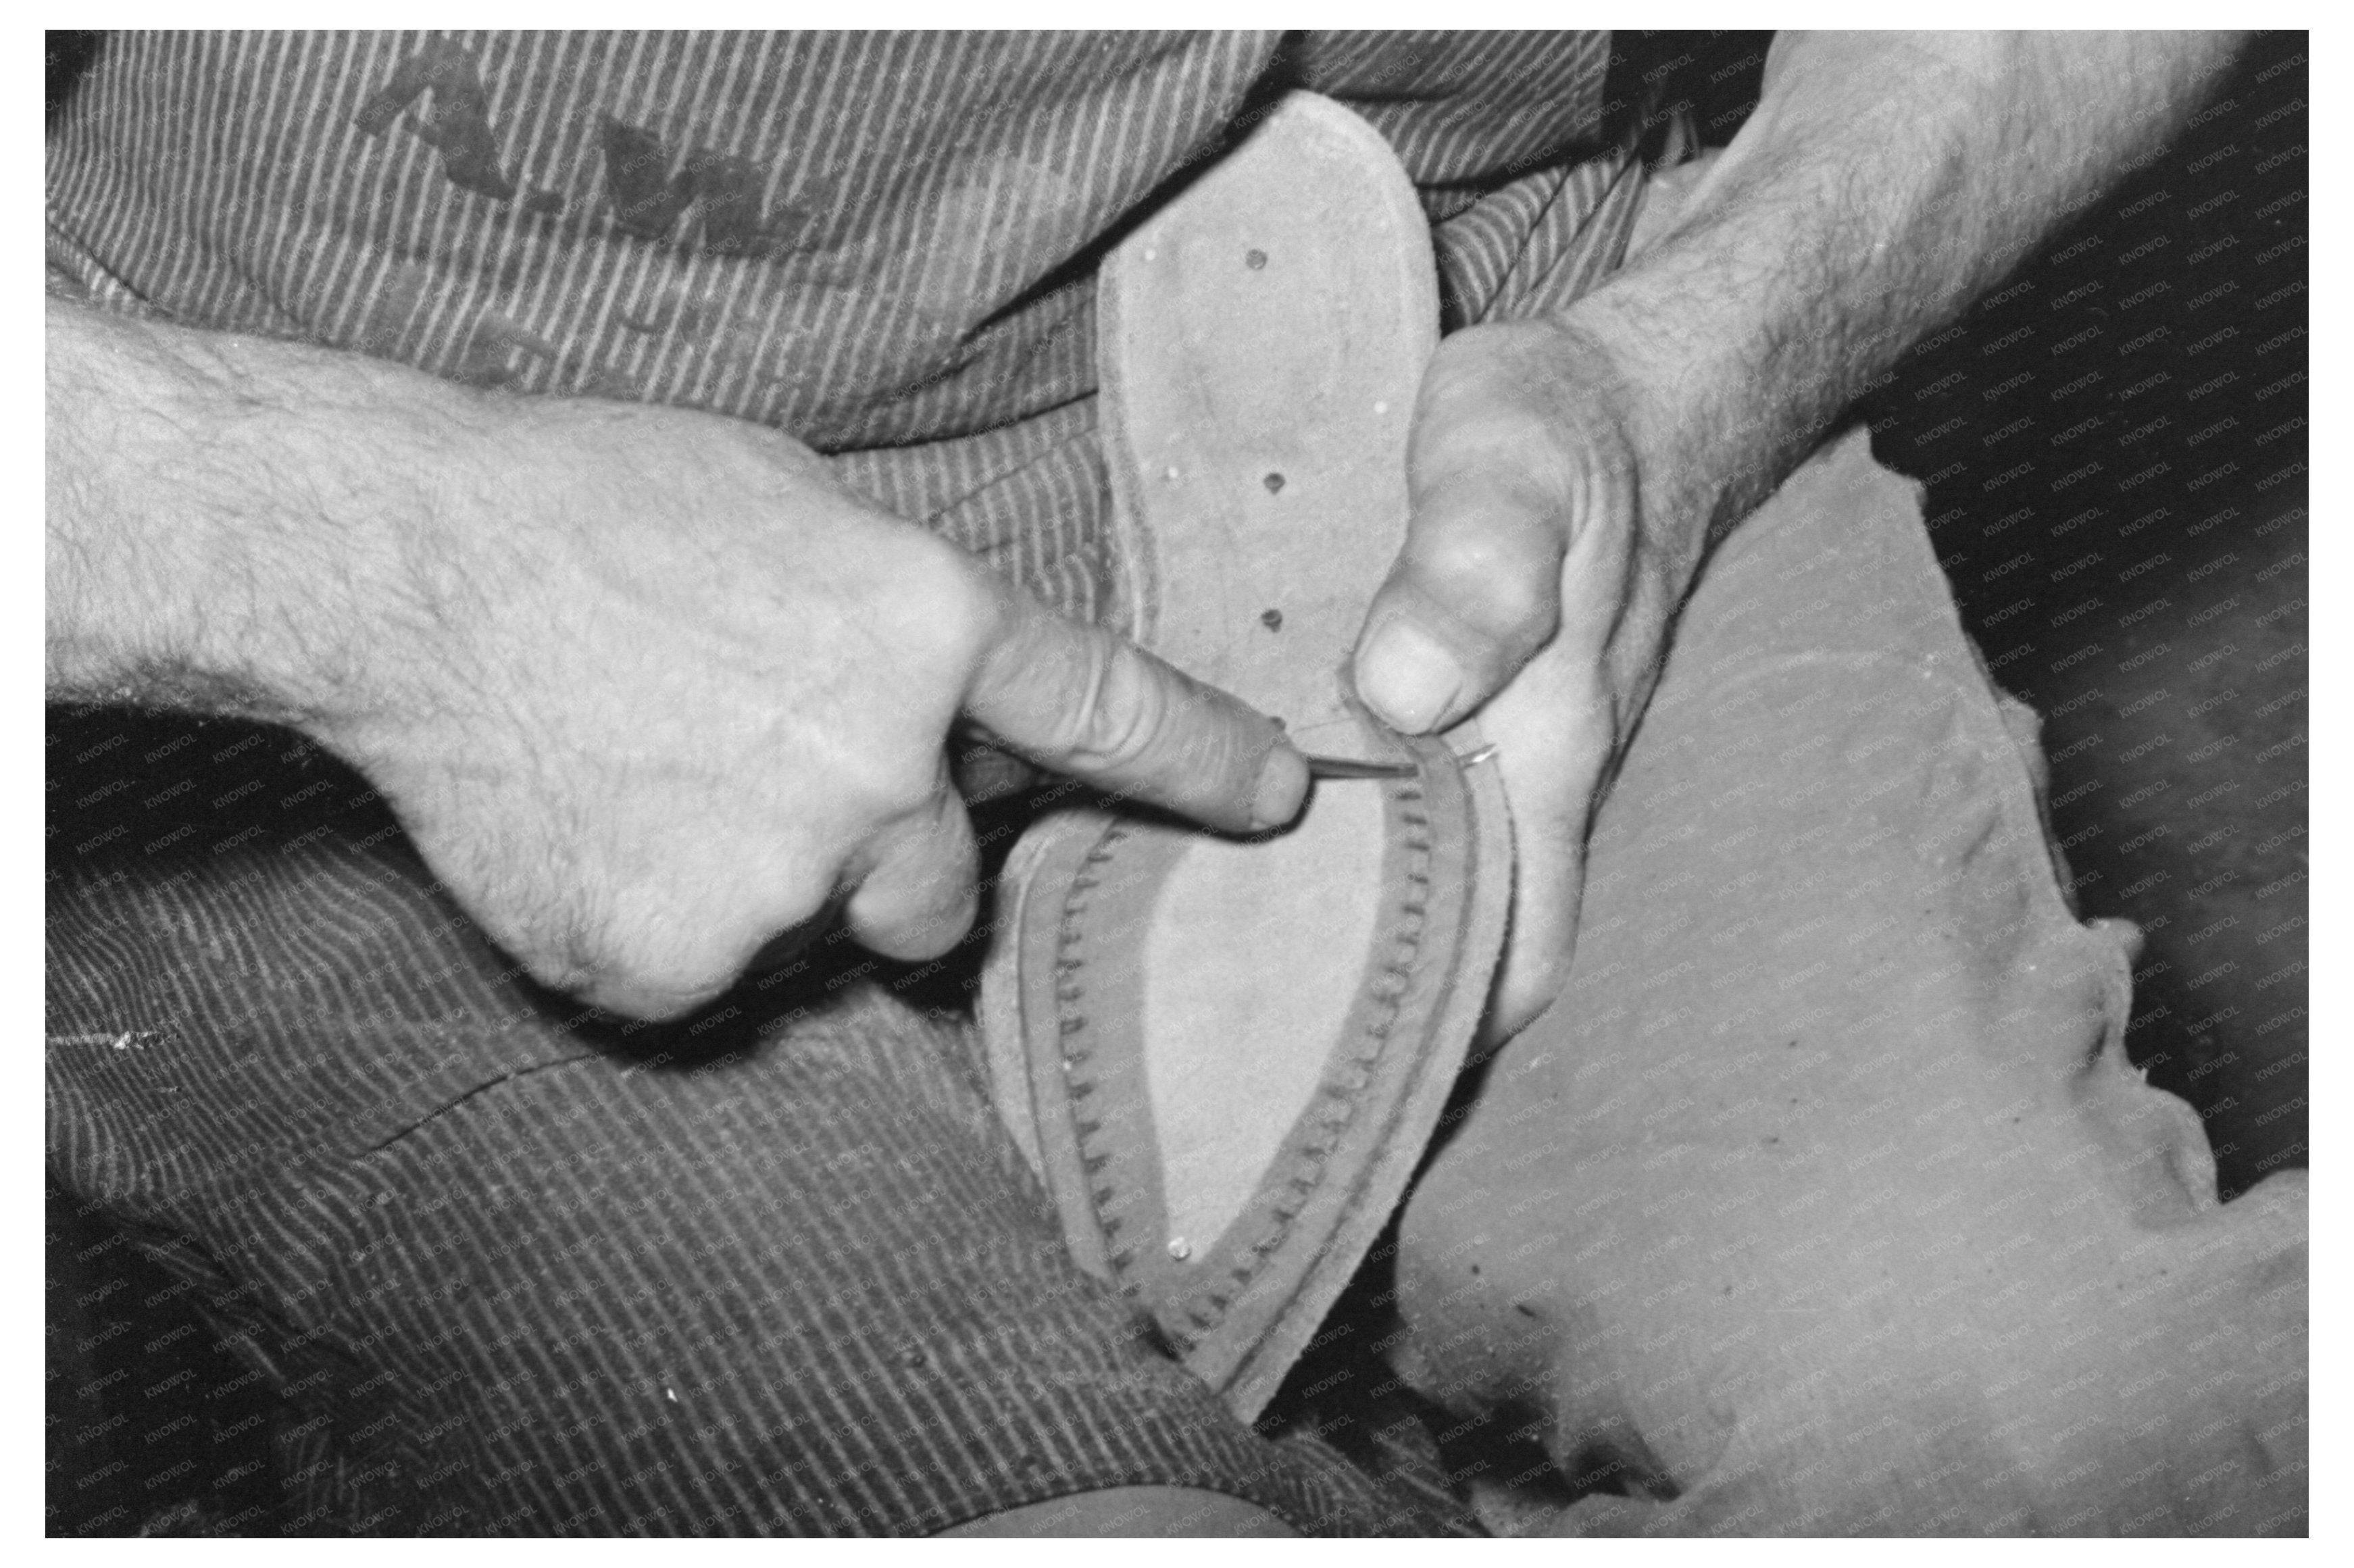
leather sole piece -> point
(1225, 1057)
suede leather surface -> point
(1221, 911)
(1825, 1200)
(1260, 344)
(1225, 1058)
(1222, 1157)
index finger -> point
(1085, 701)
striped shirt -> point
(882, 243)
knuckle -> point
(918, 905)
(1118, 711)
(566, 946)
(946, 893)
(676, 969)
(1519, 611)
(931, 873)
(1495, 585)
(1499, 563)
(567, 971)
(677, 948)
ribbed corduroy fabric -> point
(776, 1270)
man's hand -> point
(690, 694)
(1569, 474)
(1530, 592)
(646, 687)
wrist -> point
(226, 518)
(1651, 377)
(1731, 372)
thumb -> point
(1474, 593)
(1495, 477)
(1084, 702)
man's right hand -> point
(686, 693)
(647, 687)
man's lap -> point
(774, 1271)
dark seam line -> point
(453, 1104)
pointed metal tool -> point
(1349, 767)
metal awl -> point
(1349, 767)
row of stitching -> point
(1414, 901)
(1080, 1080)
(1404, 929)
(1338, 1103)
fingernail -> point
(1407, 678)
(1282, 785)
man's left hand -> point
(1534, 592)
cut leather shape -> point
(1225, 1159)
(1225, 1057)
(1259, 345)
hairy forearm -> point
(235, 525)
(1884, 181)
